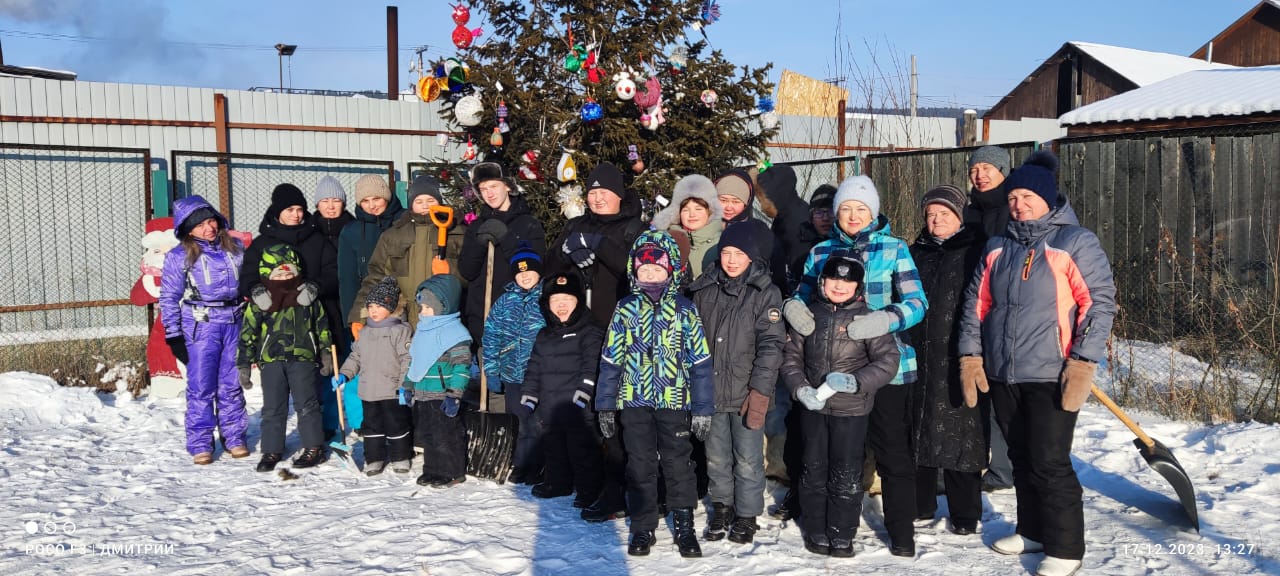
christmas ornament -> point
(678, 59)
(577, 55)
(469, 153)
(653, 116)
(623, 86)
(566, 170)
(462, 37)
(495, 139)
(710, 11)
(529, 166)
(571, 203)
(461, 14)
(768, 119)
(502, 117)
(709, 98)
(468, 110)
(592, 71)
(428, 88)
(633, 154)
(469, 217)
(651, 95)
(442, 139)
(591, 112)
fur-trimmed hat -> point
(372, 185)
(1038, 174)
(385, 293)
(693, 186)
(845, 267)
(486, 171)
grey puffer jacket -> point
(1043, 292)
(743, 321)
(381, 358)
(808, 359)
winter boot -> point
(402, 466)
(202, 458)
(905, 550)
(790, 506)
(721, 516)
(641, 542)
(604, 508)
(268, 462)
(447, 482)
(310, 457)
(963, 527)
(239, 452)
(584, 499)
(545, 490)
(374, 468)
(1053, 566)
(841, 548)
(686, 537)
(744, 530)
(1017, 544)
(517, 475)
(818, 544)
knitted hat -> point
(441, 292)
(372, 185)
(946, 195)
(993, 155)
(385, 294)
(563, 284)
(486, 171)
(844, 267)
(736, 183)
(822, 198)
(284, 196)
(329, 187)
(739, 236)
(525, 259)
(1038, 174)
(425, 185)
(607, 176)
(859, 188)
(651, 254)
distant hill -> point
(954, 112)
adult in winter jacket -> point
(202, 310)
(656, 389)
(1037, 316)
(837, 378)
(376, 210)
(694, 219)
(561, 381)
(947, 434)
(780, 202)
(287, 222)
(329, 219)
(406, 251)
(741, 312)
(504, 221)
(597, 245)
(893, 293)
(737, 192)
(509, 331)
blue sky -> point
(969, 53)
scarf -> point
(284, 293)
(435, 336)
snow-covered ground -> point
(100, 484)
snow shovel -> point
(339, 446)
(1158, 457)
(442, 217)
(491, 437)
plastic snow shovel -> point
(1158, 457)
(491, 437)
(442, 217)
(339, 446)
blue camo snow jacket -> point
(892, 282)
(509, 332)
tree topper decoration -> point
(462, 37)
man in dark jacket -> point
(376, 210)
(742, 315)
(503, 221)
(790, 213)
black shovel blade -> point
(490, 444)
(1162, 461)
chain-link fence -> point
(1191, 222)
(70, 241)
(810, 174)
(241, 184)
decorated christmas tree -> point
(550, 88)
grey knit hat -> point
(385, 294)
(329, 187)
(993, 155)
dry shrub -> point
(103, 363)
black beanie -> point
(1038, 174)
(822, 197)
(607, 176)
(563, 284)
(284, 196)
(738, 235)
(425, 186)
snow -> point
(1141, 66)
(1202, 93)
(96, 484)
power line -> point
(206, 45)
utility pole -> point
(914, 87)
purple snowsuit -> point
(203, 305)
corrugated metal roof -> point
(1141, 66)
(1200, 93)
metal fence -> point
(810, 174)
(74, 217)
(241, 184)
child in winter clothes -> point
(508, 337)
(439, 369)
(655, 369)
(559, 383)
(742, 312)
(381, 358)
(836, 377)
(286, 333)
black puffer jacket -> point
(607, 278)
(742, 319)
(791, 214)
(947, 434)
(808, 359)
(329, 229)
(565, 359)
(521, 226)
(303, 238)
(988, 211)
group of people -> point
(645, 360)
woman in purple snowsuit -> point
(202, 309)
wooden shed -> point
(1081, 73)
(1252, 40)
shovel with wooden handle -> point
(339, 445)
(491, 437)
(1158, 457)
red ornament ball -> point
(461, 37)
